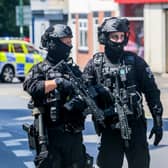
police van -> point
(16, 59)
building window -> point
(107, 14)
(42, 28)
(83, 35)
(134, 12)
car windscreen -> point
(32, 50)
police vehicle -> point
(16, 59)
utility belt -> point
(68, 127)
(73, 130)
(133, 112)
(112, 120)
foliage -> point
(8, 18)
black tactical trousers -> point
(65, 150)
(112, 148)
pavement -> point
(162, 82)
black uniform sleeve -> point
(90, 73)
(101, 95)
(148, 86)
(34, 83)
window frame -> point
(83, 35)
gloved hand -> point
(63, 84)
(103, 99)
(157, 129)
(101, 89)
(76, 104)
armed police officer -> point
(121, 77)
(59, 129)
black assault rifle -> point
(120, 97)
(81, 90)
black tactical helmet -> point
(50, 40)
(113, 24)
(55, 32)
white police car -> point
(16, 59)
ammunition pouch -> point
(54, 102)
(135, 101)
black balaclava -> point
(58, 51)
(114, 51)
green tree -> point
(8, 18)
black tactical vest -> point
(103, 68)
(71, 123)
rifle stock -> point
(30, 130)
(37, 136)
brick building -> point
(83, 16)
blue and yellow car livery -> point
(16, 59)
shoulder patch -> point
(149, 72)
(97, 58)
(130, 59)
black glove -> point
(63, 84)
(157, 129)
(103, 99)
(100, 89)
(76, 104)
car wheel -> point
(21, 79)
(7, 74)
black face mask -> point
(58, 51)
(114, 51)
